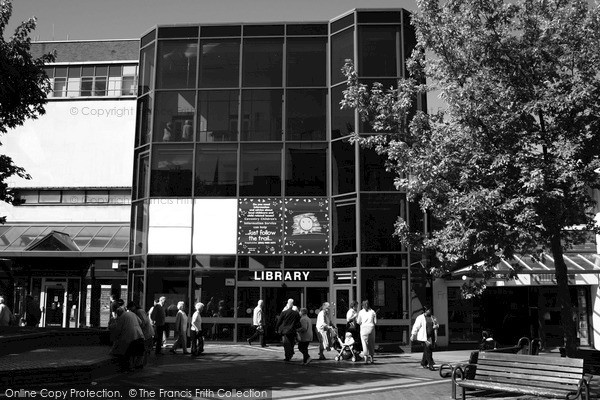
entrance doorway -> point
(54, 299)
(342, 298)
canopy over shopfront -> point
(50, 263)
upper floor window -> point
(107, 80)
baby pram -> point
(347, 351)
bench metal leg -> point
(453, 390)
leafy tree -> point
(507, 167)
(23, 89)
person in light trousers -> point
(367, 319)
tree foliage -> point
(23, 88)
(507, 167)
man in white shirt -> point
(258, 323)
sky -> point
(125, 19)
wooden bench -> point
(554, 377)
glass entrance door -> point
(54, 306)
(343, 296)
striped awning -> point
(577, 263)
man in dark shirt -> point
(158, 320)
(287, 324)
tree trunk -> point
(564, 296)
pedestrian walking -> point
(305, 335)
(158, 320)
(128, 342)
(196, 331)
(258, 324)
(181, 329)
(367, 319)
(6, 316)
(425, 331)
(287, 324)
(323, 330)
(147, 329)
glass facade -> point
(246, 186)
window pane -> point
(171, 171)
(377, 50)
(306, 111)
(262, 62)
(344, 228)
(260, 172)
(85, 236)
(50, 196)
(128, 86)
(102, 70)
(139, 231)
(305, 169)
(174, 285)
(372, 170)
(85, 71)
(343, 167)
(115, 71)
(96, 196)
(147, 70)
(261, 113)
(342, 121)
(385, 293)
(342, 48)
(216, 170)
(102, 238)
(119, 197)
(73, 86)
(218, 116)
(100, 86)
(28, 196)
(87, 85)
(220, 63)
(174, 116)
(60, 87)
(379, 213)
(142, 174)
(144, 120)
(306, 61)
(177, 64)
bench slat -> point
(527, 382)
(514, 389)
(557, 361)
(539, 367)
(530, 374)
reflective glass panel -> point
(344, 228)
(262, 62)
(174, 116)
(216, 170)
(342, 121)
(171, 171)
(343, 167)
(306, 61)
(372, 170)
(342, 48)
(260, 170)
(218, 116)
(379, 213)
(146, 70)
(261, 115)
(219, 63)
(306, 114)
(144, 120)
(377, 50)
(305, 166)
(177, 64)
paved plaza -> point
(231, 367)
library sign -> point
(278, 275)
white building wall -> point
(85, 143)
(76, 144)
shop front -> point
(525, 306)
